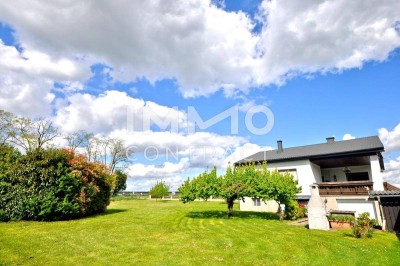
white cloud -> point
(27, 78)
(311, 36)
(110, 111)
(247, 105)
(202, 149)
(203, 47)
(391, 142)
(348, 136)
(206, 48)
(390, 139)
(392, 171)
(157, 172)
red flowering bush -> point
(94, 194)
(51, 185)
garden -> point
(151, 232)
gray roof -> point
(385, 193)
(323, 150)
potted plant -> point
(341, 221)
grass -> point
(171, 233)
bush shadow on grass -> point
(236, 214)
(348, 234)
(107, 212)
(113, 211)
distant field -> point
(144, 232)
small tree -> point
(159, 190)
(119, 181)
(187, 191)
(240, 182)
(282, 188)
(235, 184)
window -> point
(357, 176)
(256, 202)
(293, 172)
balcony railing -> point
(345, 188)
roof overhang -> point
(351, 154)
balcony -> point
(345, 188)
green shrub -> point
(48, 185)
(363, 226)
(294, 211)
(341, 218)
(159, 190)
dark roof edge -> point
(314, 157)
(336, 141)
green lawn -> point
(171, 233)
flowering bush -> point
(51, 185)
(94, 194)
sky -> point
(194, 84)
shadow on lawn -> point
(112, 211)
(236, 214)
(107, 212)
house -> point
(345, 172)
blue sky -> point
(320, 67)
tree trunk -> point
(230, 202)
(280, 213)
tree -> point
(119, 181)
(30, 135)
(159, 190)
(6, 119)
(110, 151)
(235, 184)
(207, 184)
(117, 153)
(93, 149)
(240, 182)
(77, 139)
(280, 187)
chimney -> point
(330, 140)
(280, 148)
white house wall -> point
(307, 173)
(316, 171)
(376, 173)
(267, 206)
(359, 206)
